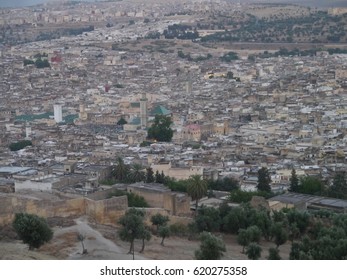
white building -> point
(58, 113)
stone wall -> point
(153, 197)
(44, 208)
(106, 211)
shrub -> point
(32, 229)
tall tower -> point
(143, 108)
(189, 86)
(58, 113)
(82, 114)
(27, 131)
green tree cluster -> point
(134, 200)
(32, 229)
(211, 247)
(307, 184)
(239, 196)
(133, 227)
(125, 173)
(230, 56)
(338, 188)
(20, 145)
(161, 129)
(196, 188)
(326, 240)
(264, 180)
(225, 184)
(159, 220)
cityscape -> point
(161, 125)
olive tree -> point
(32, 229)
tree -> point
(339, 186)
(136, 173)
(299, 218)
(121, 170)
(280, 234)
(159, 177)
(122, 121)
(32, 229)
(132, 227)
(253, 251)
(243, 238)
(145, 235)
(160, 129)
(294, 251)
(164, 231)
(294, 232)
(20, 145)
(81, 238)
(211, 247)
(274, 254)
(311, 185)
(254, 233)
(159, 220)
(264, 180)
(149, 175)
(207, 219)
(294, 182)
(197, 189)
(42, 63)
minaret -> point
(27, 131)
(58, 114)
(143, 108)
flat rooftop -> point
(13, 169)
(296, 198)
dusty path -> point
(98, 247)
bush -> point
(32, 229)
(20, 145)
(239, 196)
(211, 247)
(208, 219)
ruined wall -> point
(106, 211)
(99, 195)
(44, 208)
(182, 204)
(154, 198)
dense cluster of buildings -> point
(283, 112)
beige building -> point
(337, 11)
(179, 173)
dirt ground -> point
(102, 243)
